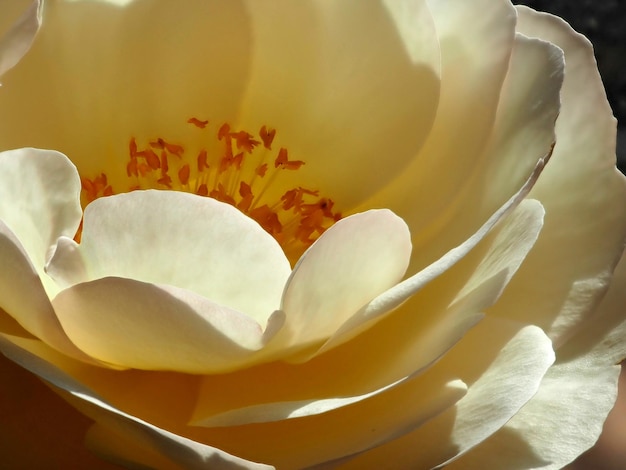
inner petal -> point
(173, 238)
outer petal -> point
(175, 449)
(496, 394)
(329, 63)
(113, 84)
(38, 202)
(16, 41)
(446, 195)
(583, 379)
(178, 239)
(583, 193)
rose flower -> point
(292, 234)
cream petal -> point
(328, 64)
(353, 261)
(39, 201)
(88, 97)
(341, 432)
(391, 356)
(497, 390)
(583, 194)
(16, 42)
(23, 297)
(146, 326)
(178, 450)
(524, 228)
(183, 240)
(526, 107)
(583, 379)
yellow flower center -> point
(237, 171)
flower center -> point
(237, 168)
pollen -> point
(239, 170)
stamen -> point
(240, 175)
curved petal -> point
(113, 84)
(144, 326)
(583, 379)
(530, 215)
(23, 297)
(497, 391)
(39, 202)
(352, 262)
(16, 42)
(328, 64)
(175, 449)
(178, 239)
(444, 204)
(583, 194)
(388, 353)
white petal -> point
(178, 239)
(574, 398)
(145, 326)
(525, 226)
(17, 40)
(583, 193)
(356, 259)
(329, 63)
(177, 449)
(495, 395)
(39, 201)
(23, 297)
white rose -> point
(352, 234)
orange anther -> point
(132, 147)
(244, 141)
(282, 161)
(152, 159)
(164, 163)
(202, 161)
(197, 122)
(261, 170)
(166, 181)
(245, 191)
(202, 190)
(267, 136)
(183, 174)
(224, 131)
(131, 167)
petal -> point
(176, 449)
(352, 262)
(583, 379)
(497, 391)
(22, 296)
(583, 194)
(145, 326)
(451, 190)
(384, 355)
(87, 98)
(39, 430)
(39, 201)
(17, 40)
(178, 239)
(525, 226)
(327, 63)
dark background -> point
(604, 23)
